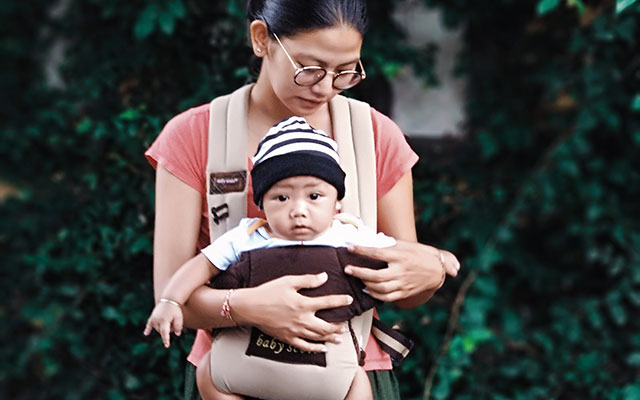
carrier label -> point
(227, 182)
(265, 346)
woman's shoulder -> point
(187, 129)
(188, 118)
(181, 147)
(382, 122)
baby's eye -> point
(282, 198)
(314, 196)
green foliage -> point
(539, 201)
(541, 205)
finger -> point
(452, 265)
(456, 264)
(308, 346)
(382, 254)
(311, 335)
(384, 287)
(368, 274)
(147, 329)
(308, 281)
(177, 325)
(321, 329)
(329, 301)
(165, 332)
(387, 297)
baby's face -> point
(300, 207)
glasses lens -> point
(347, 80)
(309, 76)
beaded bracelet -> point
(226, 308)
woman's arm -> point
(415, 270)
(395, 211)
(276, 307)
(177, 226)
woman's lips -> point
(313, 103)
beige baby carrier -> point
(227, 203)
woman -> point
(310, 52)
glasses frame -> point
(299, 70)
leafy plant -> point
(539, 200)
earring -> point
(258, 50)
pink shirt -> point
(181, 148)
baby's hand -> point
(165, 317)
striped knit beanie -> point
(293, 148)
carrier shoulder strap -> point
(353, 131)
(227, 161)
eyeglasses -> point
(309, 76)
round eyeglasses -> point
(309, 76)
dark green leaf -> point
(167, 22)
(146, 23)
(622, 5)
(635, 103)
(633, 360)
(545, 6)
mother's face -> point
(334, 49)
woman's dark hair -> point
(288, 17)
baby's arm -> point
(167, 314)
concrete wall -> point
(429, 111)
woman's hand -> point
(415, 272)
(279, 310)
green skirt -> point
(383, 383)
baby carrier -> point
(227, 192)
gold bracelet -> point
(175, 303)
(226, 308)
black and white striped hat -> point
(293, 148)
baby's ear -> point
(338, 206)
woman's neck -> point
(265, 105)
